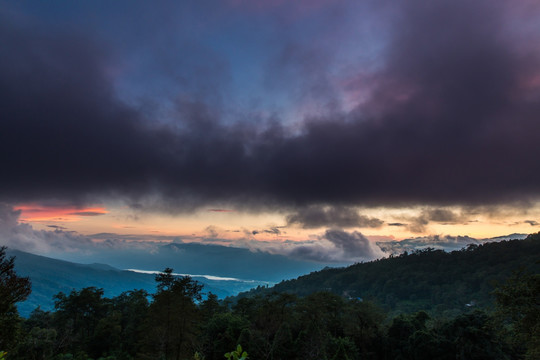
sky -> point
(268, 124)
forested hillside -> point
(423, 280)
(178, 323)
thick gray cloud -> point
(450, 116)
(419, 223)
(338, 246)
(354, 244)
(16, 235)
(332, 216)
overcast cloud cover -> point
(313, 109)
(408, 102)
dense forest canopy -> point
(429, 279)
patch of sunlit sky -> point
(217, 223)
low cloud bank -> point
(441, 242)
(339, 246)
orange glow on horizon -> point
(40, 213)
(219, 225)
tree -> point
(211, 307)
(77, 316)
(342, 345)
(401, 332)
(174, 315)
(13, 289)
(133, 306)
(221, 333)
(473, 337)
(518, 300)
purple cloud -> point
(448, 111)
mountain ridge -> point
(429, 279)
(50, 276)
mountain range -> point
(224, 271)
(51, 276)
(196, 258)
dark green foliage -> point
(434, 280)
(345, 349)
(473, 336)
(176, 323)
(468, 336)
(221, 333)
(518, 302)
(173, 317)
(237, 354)
(39, 343)
(279, 326)
(211, 306)
(13, 289)
(131, 308)
(78, 315)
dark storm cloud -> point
(419, 223)
(442, 216)
(63, 132)
(334, 216)
(353, 244)
(451, 118)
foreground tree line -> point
(178, 323)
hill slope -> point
(50, 276)
(427, 279)
(195, 258)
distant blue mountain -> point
(50, 276)
(195, 258)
